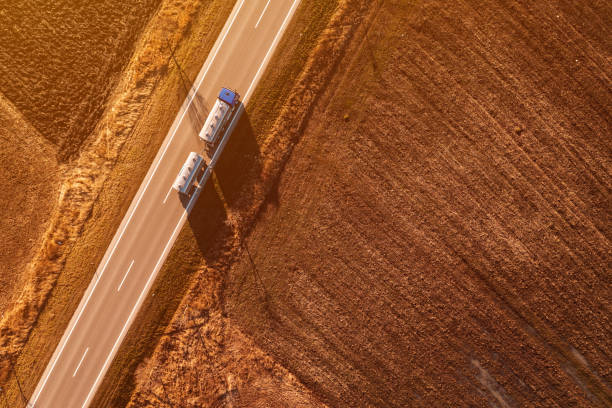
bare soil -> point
(203, 360)
(441, 233)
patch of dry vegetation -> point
(62, 61)
(30, 177)
(97, 188)
(203, 360)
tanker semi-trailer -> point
(186, 180)
(219, 118)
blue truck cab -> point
(230, 97)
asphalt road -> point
(156, 215)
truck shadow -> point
(240, 162)
(206, 237)
(232, 178)
(208, 222)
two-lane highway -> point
(156, 215)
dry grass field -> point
(136, 107)
(62, 61)
(434, 223)
(30, 180)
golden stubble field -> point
(61, 61)
(30, 180)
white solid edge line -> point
(125, 276)
(39, 391)
(81, 362)
(167, 195)
(268, 54)
(65, 341)
(262, 13)
(141, 297)
(167, 144)
(135, 308)
(170, 242)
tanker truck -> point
(219, 118)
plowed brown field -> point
(441, 233)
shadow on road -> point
(197, 113)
